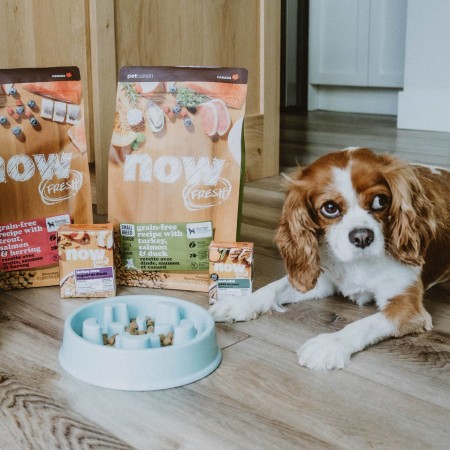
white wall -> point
(424, 103)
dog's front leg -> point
(270, 297)
(400, 315)
(333, 350)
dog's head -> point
(353, 204)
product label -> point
(90, 281)
(166, 246)
(234, 286)
(30, 243)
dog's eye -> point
(380, 202)
(330, 210)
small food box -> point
(86, 260)
(230, 269)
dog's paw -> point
(232, 309)
(324, 352)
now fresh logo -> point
(204, 186)
(85, 254)
(225, 267)
(58, 181)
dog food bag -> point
(86, 260)
(175, 171)
(230, 269)
(44, 174)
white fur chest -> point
(378, 278)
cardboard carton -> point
(230, 269)
(86, 260)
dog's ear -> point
(297, 240)
(410, 226)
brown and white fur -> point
(369, 227)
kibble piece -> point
(112, 339)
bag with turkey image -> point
(176, 169)
(44, 173)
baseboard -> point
(353, 99)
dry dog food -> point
(175, 171)
(135, 328)
(230, 269)
(86, 260)
(44, 175)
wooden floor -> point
(395, 395)
(304, 138)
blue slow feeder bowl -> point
(138, 362)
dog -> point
(364, 225)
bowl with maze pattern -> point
(139, 343)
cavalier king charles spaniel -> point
(369, 227)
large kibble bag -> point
(44, 174)
(175, 171)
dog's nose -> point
(361, 237)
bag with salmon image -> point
(176, 170)
(44, 173)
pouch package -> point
(44, 173)
(176, 169)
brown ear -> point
(410, 215)
(297, 241)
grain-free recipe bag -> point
(44, 175)
(175, 171)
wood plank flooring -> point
(394, 395)
(304, 138)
